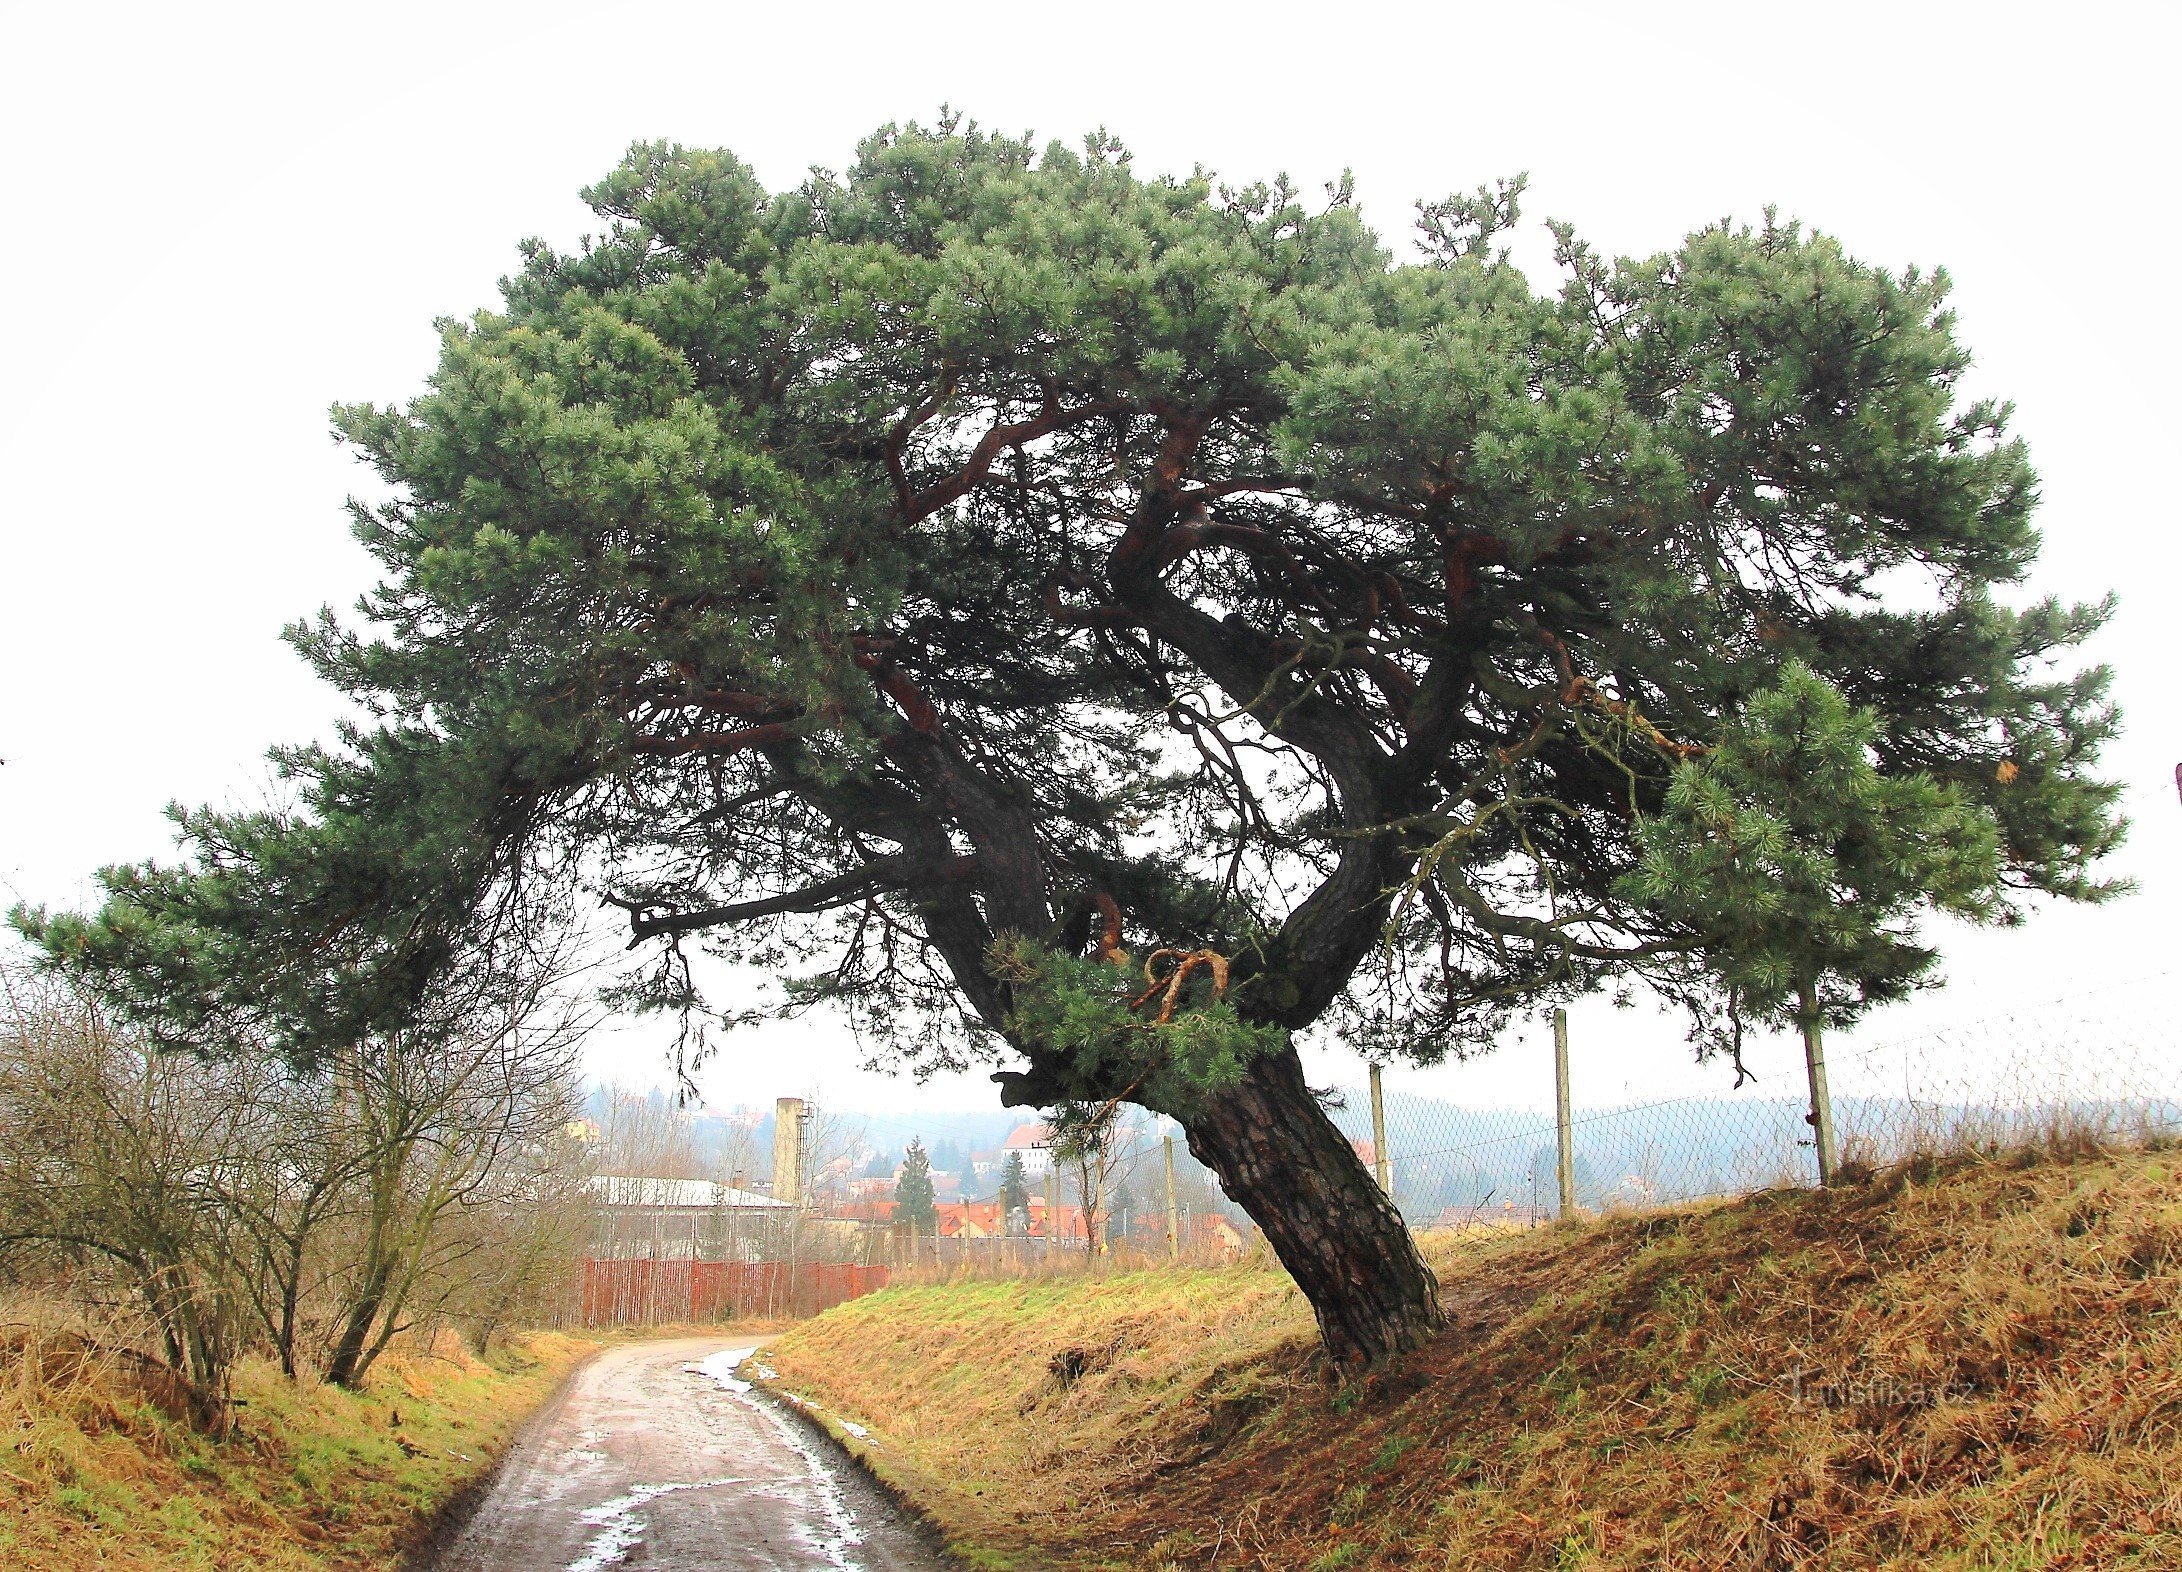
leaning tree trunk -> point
(1280, 1158)
(351, 1357)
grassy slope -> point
(94, 1474)
(1994, 1361)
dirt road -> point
(658, 1456)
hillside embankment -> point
(100, 1467)
(1971, 1363)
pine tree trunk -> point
(1282, 1160)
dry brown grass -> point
(1959, 1364)
(100, 1468)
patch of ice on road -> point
(721, 1367)
(841, 1535)
(814, 1406)
(620, 1530)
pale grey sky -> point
(223, 218)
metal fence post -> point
(1174, 1232)
(1565, 1161)
(1379, 1164)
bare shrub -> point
(202, 1203)
(111, 1181)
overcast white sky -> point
(222, 219)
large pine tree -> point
(1118, 624)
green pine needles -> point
(914, 1205)
(1800, 867)
(1078, 1012)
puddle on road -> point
(838, 1536)
(721, 1367)
(620, 1530)
(812, 1405)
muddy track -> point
(659, 1456)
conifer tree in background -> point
(1110, 625)
(1014, 1194)
(1120, 1211)
(913, 1193)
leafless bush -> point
(461, 1177)
(110, 1181)
(217, 1201)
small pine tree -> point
(1119, 1211)
(1803, 867)
(913, 1192)
(1014, 1194)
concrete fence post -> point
(1380, 1167)
(1564, 1127)
(1814, 1058)
(1174, 1231)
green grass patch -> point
(309, 1478)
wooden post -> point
(1565, 1164)
(1053, 1216)
(1380, 1167)
(1814, 1058)
(1174, 1231)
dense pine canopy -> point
(931, 580)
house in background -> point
(634, 1215)
(1203, 1234)
(638, 1193)
(1034, 1144)
(973, 1219)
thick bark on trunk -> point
(1282, 1160)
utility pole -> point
(1565, 1165)
(1053, 1214)
(1814, 1058)
(1174, 1231)
(1380, 1167)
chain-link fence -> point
(2105, 1065)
